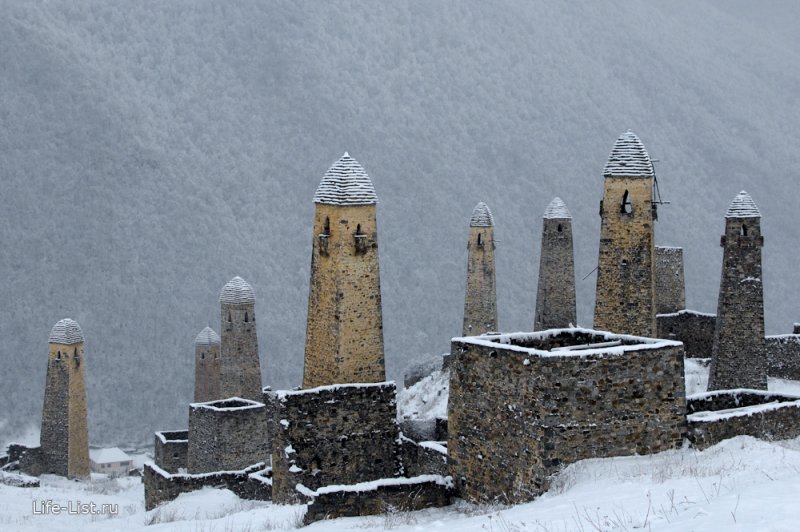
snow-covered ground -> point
(739, 484)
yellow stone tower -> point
(480, 300)
(625, 300)
(65, 434)
(344, 332)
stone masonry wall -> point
(341, 434)
(480, 299)
(694, 329)
(226, 435)
(171, 450)
(783, 356)
(515, 416)
(739, 357)
(240, 367)
(207, 373)
(670, 283)
(344, 333)
(625, 298)
(555, 295)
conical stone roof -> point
(346, 183)
(557, 209)
(481, 216)
(207, 337)
(743, 206)
(237, 292)
(66, 332)
(628, 158)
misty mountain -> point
(150, 151)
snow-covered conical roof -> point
(557, 209)
(346, 183)
(628, 158)
(237, 292)
(66, 332)
(743, 206)
(207, 337)
(481, 216)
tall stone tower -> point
(239, 368)
(739, 358)
(625, 299)
(206, 366)
(555, 297)
(480, 301)
(670, 283)
(344, 332)
(65, 434)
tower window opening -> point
(202, 356)
(58, 355)
(326, 230)
(559, 228)
(229, 317)
(626, 207)
(743, 232)
(246, 318)
(323, 237)
(360, 240)
(480, 239)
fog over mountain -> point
(151, 150)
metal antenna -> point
(656, 192)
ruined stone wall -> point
(344, 332)
(515, 418)
(171, 450)
(694, 329)
(207, 373)
(670, 282)
(65, 434)
(555, 295)
(226, 435)
(739, 358)
(625, 298)
(240, 367)
(783, 356)
(480, 300)
(341, 434)
(423, 458)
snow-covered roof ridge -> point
(237, 292)
(481, 216)
(557, 209)
(346, 183)
(207, 337)
(743, 206)
(108, 455)
(66, 332)
(628, 158)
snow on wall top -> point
(66, 332)
(743, 206)
(237, 292)
(628, 158)
(346, 183)
(481, 216)
(557, 209)
(207, 337)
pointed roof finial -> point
(481, 216)
(237, 292)
(628, 158)
(743, 206)
(66, 332)
(346, 183)
(207, 337)
(557, 209)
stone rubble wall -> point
(670, 283)
(171, 450)
(694, 329)
(783, 356)
(423, 458)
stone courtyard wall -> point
(694, 329)
(783, 356)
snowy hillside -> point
(150, 151)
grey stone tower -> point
(65, 435)
(739, 358)
(670, 283)
(480, 301)
(206, 366)
(240, 368)
(555, 296)
(625, 301)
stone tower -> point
(239, 368)
(625, 298)
(206, 366)
(670, 283)
(480, 301)
(344, 332)
(65, 434)
(555, 297)
(739, 358)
